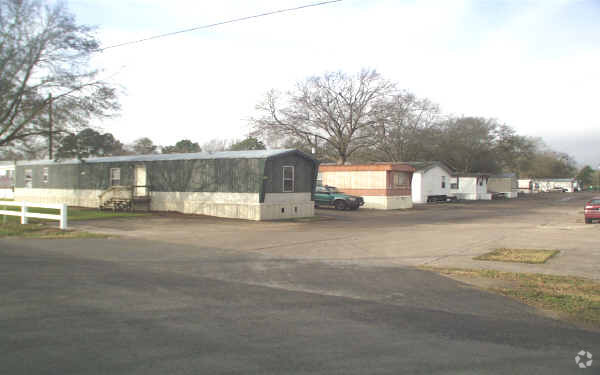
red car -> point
(592, 210)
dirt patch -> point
(43, 231)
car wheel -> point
(340, 205)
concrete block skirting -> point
(236, 205)
(382, 202)
(473, 196)
(229, 205)
(70, 197)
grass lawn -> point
(518, 255)
(73, 214)
(574, 298)
(42, 231)
(10, 226)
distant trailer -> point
(7, 179)
(430, 181)
(471, 186)
(383, 186)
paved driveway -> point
(446, 235)
(133, 306)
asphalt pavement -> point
(129, 306)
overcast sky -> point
(530, 64)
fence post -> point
(63, 216)
(24, 213)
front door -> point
(140, 181)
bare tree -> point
(407, 131)
(44, 59)
(143, 146)
(337, 109)
(216, 145)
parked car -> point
(441, 198)
(499, 196)
(592, 210)
(331, 196)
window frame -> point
(400, 180)
(284, 179)
(443, 182)
(112, 179)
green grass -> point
(518, 255)
(575, 298)
(73, 214)
(42, 231)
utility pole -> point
(50, 124)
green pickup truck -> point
(330, 196)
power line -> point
(220, 23)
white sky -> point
(530, 64)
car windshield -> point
(332, 189)
(595, 202)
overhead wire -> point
(219, 24)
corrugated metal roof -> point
(248, 154)
(555, 179)
(472, 174)
(504, 175)
(426, 165)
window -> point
(481, 181)
(45, 175)
(28, 178)
(288, 179)
(400, 179)
(443, 182)
(321, 189)
(115, 176)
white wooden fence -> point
(25, 214)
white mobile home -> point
(430, 179)
(526, 185)
(550, 184)
(472, 186)
(7, 179)
(542, 185)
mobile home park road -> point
(195, 295)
